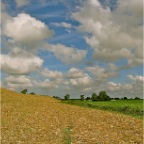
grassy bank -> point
(130, 107)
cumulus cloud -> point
(21, 3)
(4, 17)
(82, 82)
(19, 82)
(24, 35)
(66, 54)
(118, 86)
(136, 78)
(131, 89)
(111, 56)
(19, 64)
(75, 73)
(51, 74)
(125, 89)
(18, 79)
(46, 84)
(129, 13)
(112, 66)
(15, 82)
(115, 34)
(101, 73)
(26, 30)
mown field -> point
(33, 119)
(130, 107)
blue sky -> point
(55, 47)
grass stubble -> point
(28, 119)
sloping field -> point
(28, 119)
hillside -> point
(32, 119)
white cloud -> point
(21, 3)
(136, 78)
(26, 30)
(75, 73)
(129, 12)
(94, 3)
(96, 71)
(118, 86)
(4, 17)
(110, 56)
(18, 79)
(20, 65)
(63, 24)
(46, 84)
(67, 55)
(17, 82)
(101, 73)
(51, 74)
(126, 89)
(83, 82)
(115, 34)
(112, 66)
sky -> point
(59, 47)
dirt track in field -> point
(28, 119)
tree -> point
(88, 98)
(24, 91)
(32, 93)
(56, 97)
(94, 97)
(125, 98)
(116, 98)
(82, 97)
(103, 96)
(136, 98)
(67, 97)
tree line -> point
(102, 96)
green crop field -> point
(130, 107)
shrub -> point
(24, 91)
(56, 97)
(32, 93)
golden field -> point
(33, 119)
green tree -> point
(82, 97)
(94, 97)
(67, 97)
(136, 98)
(56, 97)
(88, 98)
(103, 96)
(24, 91)
(125, 98)
(32, 93)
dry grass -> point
(29, 119)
